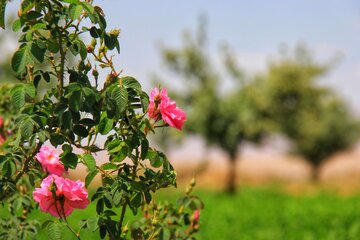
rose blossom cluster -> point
(57, 195)
(162, 107)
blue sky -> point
(254, 30)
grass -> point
(262, 213)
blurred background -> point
(271, 91)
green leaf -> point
(18, 96)
(90, 177)
(105, 125)
(94, 32)
(19, 59)
(54, 231)
(53, 46)
(108, 166)
(144, 148)
(7, 169)
(38, 26)
(164, 234)
(17, 25)
(71, 1)
(82, 50)
(37, 52)
(88, 7)
(75, 11)
(67, 120)
(110, 41)
(144, 98)
(100, 206)
(155, 159)
(27, 128)
(117, 196)
(2, 13)
(136, 200)
(120, 96)
(75, 101)
(130, 82)
(70, 160)
(66, 148)
(114, 146)
(92, 223)
(30, 90)
(89, 162)
(81, 131)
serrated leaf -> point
(18, 96)
(26, 128)
(54, 231)
(30, 90)
(19, 60)
(120, 96)
(89, 162)
(130, 82)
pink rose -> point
(196, 216)
(1, 122)
(69, 195)
(50, 161)
(162, 107)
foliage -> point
(72, 115)
(287, 99)
(225, 119)
(316, 119)
(170, 221)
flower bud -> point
(95, 72)
(196, 216)
(114, 32)
(89, 48)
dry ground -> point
(340, 172)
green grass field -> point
(264, 213)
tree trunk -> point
(231, 181)
(315, 174)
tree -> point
(311, 115)
(222, 119)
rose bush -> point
(71, 116)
